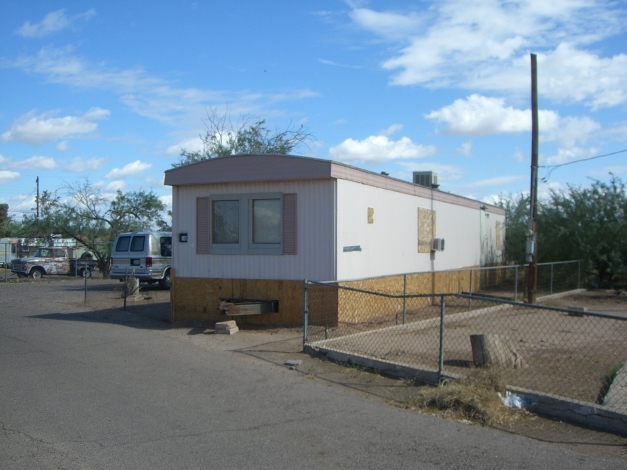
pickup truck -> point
(53, 260)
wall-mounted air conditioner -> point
(437, 244)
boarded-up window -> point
(426, 229)
(202, 225)
(371, 215)
(498, 236)
(289, 224)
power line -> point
(554, 167)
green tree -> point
(516, 216)
(588, 223)
(224, 138)
(89, 217)
(5, 220)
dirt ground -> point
(278, 346)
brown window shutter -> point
(289, 224)
(202, 225)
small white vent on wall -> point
(437, 244)
(426, 178)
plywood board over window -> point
(426, 229)
(498, 236)
(371, 215)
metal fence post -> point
(470, 292)
(551, 282)
(85, 276)
(404, 298)
(578, 274)
(305, 311)
(441, 356)
(516, 283)
(125, 286)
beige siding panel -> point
(289, 224)
(314, 258)
(202, 225)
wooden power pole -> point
(532, 226)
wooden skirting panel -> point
(197, 299)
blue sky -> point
(110, 91)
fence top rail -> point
(477, 268)
(472, 297)
(541, 307)
(335, 284)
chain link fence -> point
(510, 282)
(568, 353)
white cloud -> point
(391, 130)
(147, 95)
(465, 149)
(167, 201)
(485, 46)
(79, 164)
(6, 176)
(135, 168)
(497, 181)
(114, 186)
(565, 74)
(480, 115)
(32, 163)
(62, 146)
(52, 23)
(565, 155)
(191, 145)
(388, 24)
(335, 64)
(37, 129)
(615, 170)
(572, 130)
(379, 149)
(518, 156)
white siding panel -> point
(315, 227)
(390, 244)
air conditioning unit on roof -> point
(426, 178)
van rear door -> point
(129, 253)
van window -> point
(138, 243)
(166, 246)
(123, 243)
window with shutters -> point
(262, 223)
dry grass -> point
(476, 397)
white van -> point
(144, 255)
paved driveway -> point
(92, 386)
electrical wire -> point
(551, 168)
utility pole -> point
(37, 181)
(532, 224)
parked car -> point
(53, 260)
(147, 256)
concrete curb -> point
(586, 414)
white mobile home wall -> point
(389, 245)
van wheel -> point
(36, 274)
(165, 282)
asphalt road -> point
(89, 388)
